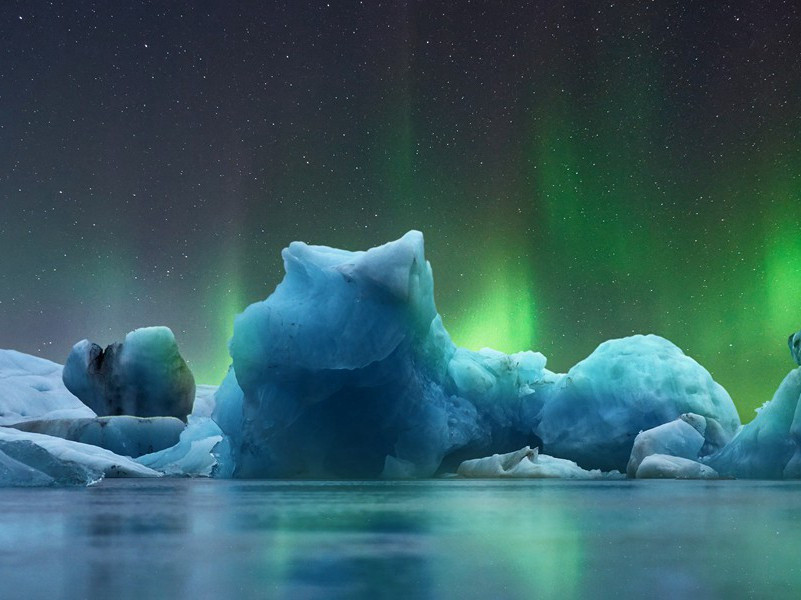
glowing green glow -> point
(503, 315)
(783, 275)
(228, 301)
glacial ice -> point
(145, 376)
(346, 370)
(203, 449)
(663, 466)
(62, 461)
(193, 455)
(126, 436)
(626, 386)
(31, 389)
(769, 447)
(682, 438)
(528, 463)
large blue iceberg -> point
(346, 370)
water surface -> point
(180, 538)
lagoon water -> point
(451, 538)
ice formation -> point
(664, 466)
(347, 371)
(769, 447)
(690, 436)
(530, 464)
(145, 376)
(626, 386)
(31, 389)
(35, 459)
(127, 436)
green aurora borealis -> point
(580, 172)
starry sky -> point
(581, 170)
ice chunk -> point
(31, 389)
(527, 463)
(204, 400)
(145, 376)
(204, 449)
(193, 455)
(769, 447)
(16, 474)
(126, 436)
(682, 437)
(624, 387)
(66, 462)
(346, 370)
(663, 466)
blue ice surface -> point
(346, 371)
(769, 447)
(123, 435)
(144, 376)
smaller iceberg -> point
(126, 436)
(528, 463)
(624, 387)
(689, 437)
(59, 461)
(144, 376)
(663, 466)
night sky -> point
(581, 170)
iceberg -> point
(145, 376)
(663, 466)
(528, 463)
(626, 386)
(769, 447)
(31, 389)
(203, 450)
(681, 438)
(58, 461)
(346, 370)
(126, 436)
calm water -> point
(426, 539)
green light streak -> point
(503, 311)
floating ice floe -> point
(36, 459)
(126, 436)
(663, 466)
(690, 436)
(529, 463)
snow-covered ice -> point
(31, 389)
(663, 466)
(528, 463)
(62, 461)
